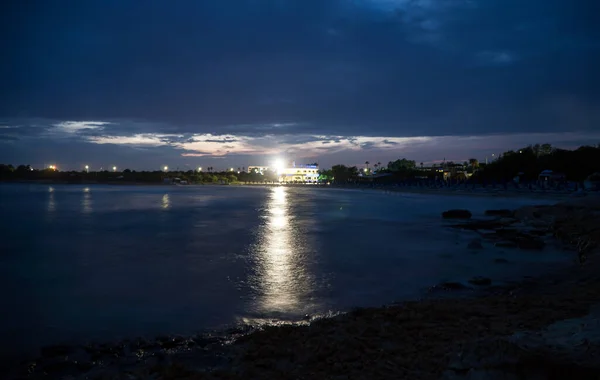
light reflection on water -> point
(51, 201)
(166, 203)
(281, 276)
(86, 202)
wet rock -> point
(457, 214)
(502, 212)
(487, 225)
(480, 281)
(171, 343)
(475, 244)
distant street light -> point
(87, 168)
(230, 169)
(166, 168)
(114, 168)
(199, 169)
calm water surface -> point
(82, 263)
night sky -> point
(225, 83)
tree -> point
(474, 163)
(21, 169)
(545, 149)
(402, 165)
(367, 163)
(343, 174)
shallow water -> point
(82, 263)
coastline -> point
(415, 339)
(543, 195)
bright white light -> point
(230, 169)
(279, 166)
(200, 169)
(114, 168)
(87, 167)
(166, 168)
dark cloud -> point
(299, 70)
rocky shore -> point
(542, 328)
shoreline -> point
(466, 192)
(414, 339)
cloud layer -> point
(310, 78)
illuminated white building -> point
(290, 173)
(299, 173)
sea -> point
(94, 263)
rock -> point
(530, 244)
(502, 212)
(56, 350)
(475, 244)
(170, 343)
(480, 281)
(457, 214)
(487, 225)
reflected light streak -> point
(166, 203)
(281, 273)
(51, 202)
(86, 202)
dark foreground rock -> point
(457, 214)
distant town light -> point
(166, 168)
(114, 168)
(230, 169)
(200, 169)
(52, 167)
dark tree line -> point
(576, 164)
(26, 172)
